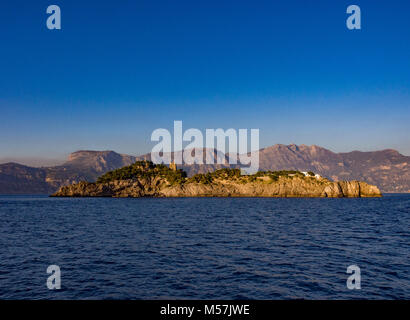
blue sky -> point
(120, 69)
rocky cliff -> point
(145, 179)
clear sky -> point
(117, 70)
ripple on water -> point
(213, 248)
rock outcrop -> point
(220, 184)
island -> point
(146, 179)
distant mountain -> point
(388, 169)
(98, 161)
(81, 166)
(18, 179)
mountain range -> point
(387, 169)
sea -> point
(205, 248)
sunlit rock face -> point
(144, 179)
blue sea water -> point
(204, 248)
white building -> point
(317, 176)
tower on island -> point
(173, 166)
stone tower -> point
(173, 166)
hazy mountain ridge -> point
(19, 179)
(388, 169)
(81, 166)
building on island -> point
(307, 174)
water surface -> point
(204, 248)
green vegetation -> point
(148, 170)
(145, 170)
(206, 178)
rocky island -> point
(146, 179)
